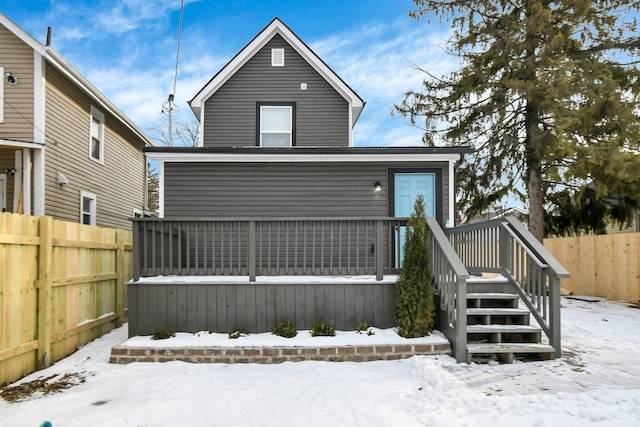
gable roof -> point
(356, 104)
(58, 61)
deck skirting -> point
(189, 305)
(266, 355)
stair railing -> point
(450, 283)
(506, 247)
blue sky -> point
(127, 49)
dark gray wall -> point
(256, 307)
(322, 113)
(283, 189)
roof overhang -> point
(307, 155)
(276, 26)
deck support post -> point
(251, 254)
(138, 249)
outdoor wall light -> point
(377, 186)
(11, 171)
(11, 79)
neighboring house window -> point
(96, 138)
(277, 57)
(87, 208)
(276, 125)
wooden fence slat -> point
(44, 290)
(604, 266)
(61, 274)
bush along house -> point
(277, 216)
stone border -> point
(362, 353)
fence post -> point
(138, 249)
(251, 254)
(120, 286)
(379, 250)
(44, 291)
(554, 314)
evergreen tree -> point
(415, 309)
(547, 92)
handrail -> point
(538, 248)
(505, 246)
(450, 282)
(257, 246)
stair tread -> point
(496, 310)
(509, 348)
(502, 328)
(490, 295)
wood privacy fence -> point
(61, 285)
(605, 266)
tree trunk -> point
(536, 203)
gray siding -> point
(283, 189)
(322, 113)
(257, 307)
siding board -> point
(282, 189)
(322, 114)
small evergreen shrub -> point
(363, 326)
(415, 307)
(162, 334)
(285, 329)
(321, 329)
(237, 333)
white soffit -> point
(297, 158)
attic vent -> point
(277, 57)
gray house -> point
(277, 216)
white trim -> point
(2, 95)
(294, 157)
(137, 213)
(99, 116)
(161, 191)
(356, 104)
(93, 208)
(17, 180)
(26, 181)
(38, 182)
(39, 98)
(21, 144)
(261, 123)
(452, 194)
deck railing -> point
(450, 285)
(506, 247)
(265, 246)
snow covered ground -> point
(597, 382)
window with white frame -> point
(96, 135)
(87, 208)
(276, 125)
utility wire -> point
(175, 77)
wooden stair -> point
(497, 326)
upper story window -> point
(87, 208)
(96, 135)
(276, 125)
